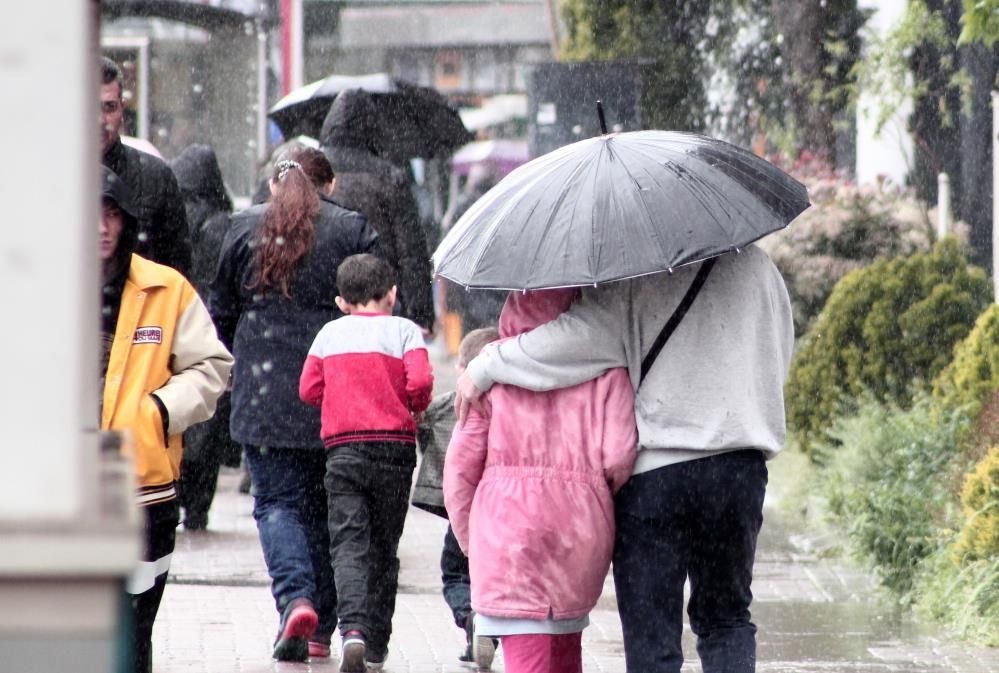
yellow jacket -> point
(165, 344)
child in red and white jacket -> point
(370, 375)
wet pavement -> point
(814, 615)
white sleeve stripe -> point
(144, 575)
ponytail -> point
(287, 231)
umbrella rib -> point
(527, 219)
(698, 197)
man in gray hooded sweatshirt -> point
(710, 412)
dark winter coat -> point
(387, 201)
(432, 437)
(270, 334)
(208, 207)
(163, 235)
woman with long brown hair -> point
(274, 290)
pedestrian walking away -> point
(432, 437)
(710, 411)
(529, 491)
(207, 445)
(159, 208)
(475, 308)
(162, 370)
(273, 291)
(370, 374)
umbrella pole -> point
(600, 114)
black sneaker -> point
(297, 624)
(375, 662)
(466, 656)
(319, 646)
(195, 522)
(354, 649)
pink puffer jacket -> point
(529, 490)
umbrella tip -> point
(600, 115)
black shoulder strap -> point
(674, 320)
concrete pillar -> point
(65, 543)
(944, 217)
(995, 193)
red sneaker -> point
(297, 625)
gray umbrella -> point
(617, 206)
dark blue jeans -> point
(368, 487)
(289, 506)
(455, 579)
(698, 520)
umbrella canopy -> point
(302, 111)
(364, 128)
(617, 206)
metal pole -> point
(297, 44)
(261, 99)
(995, 193)
(943, 205)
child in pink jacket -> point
(529, 491)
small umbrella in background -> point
(617, 206)
(303, 110)
(501, 154)
(369, 132)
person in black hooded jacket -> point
(207, 445)
(381, 190)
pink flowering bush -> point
(847, 227)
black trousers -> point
(457, 584)
(368, 484)
(147, 583)
(196, 489)
(695, 520)
(207, 446)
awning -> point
(207, 14)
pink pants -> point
(543, 653)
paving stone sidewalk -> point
(814, 615)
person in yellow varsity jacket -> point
(163, 368)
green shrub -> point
(979, 538)
(887, 486)
(959, 584)
(971, 378)
(887, 330)
(963, 596)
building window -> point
(447, 73)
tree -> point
(788, 63)
(669, 36)
(981, 22)
(820, 40)
(949, 73)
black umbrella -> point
(302, 111)
(617, 206)
(362, 128)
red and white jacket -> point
(368, 373)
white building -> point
(885, 153)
